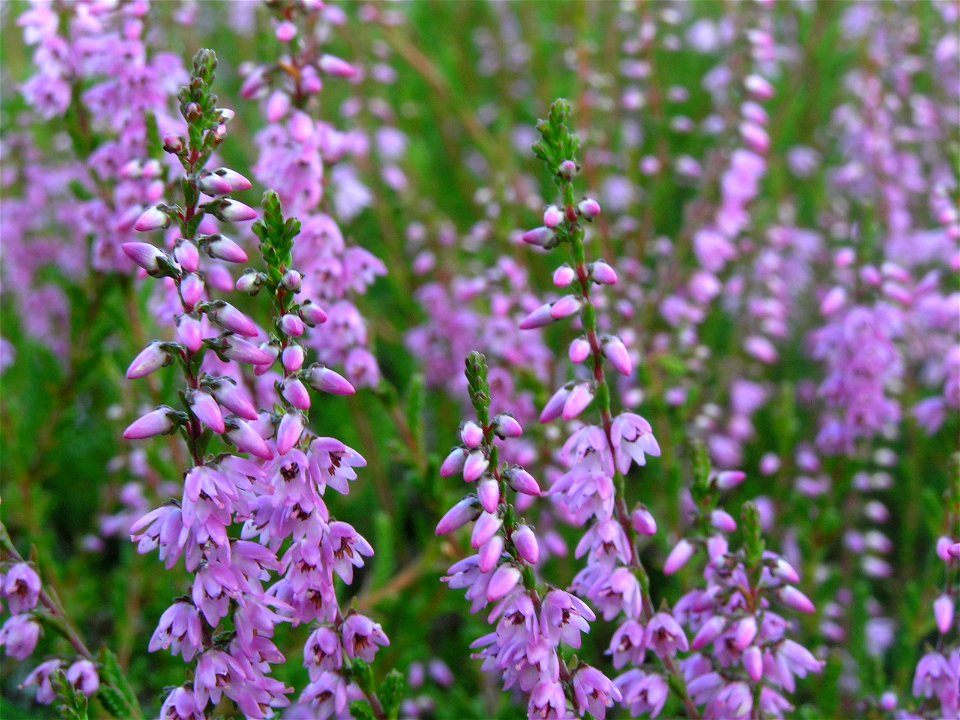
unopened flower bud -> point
(564, 275)
(145, 255)
(187, 255)
(223, 248)
(312, 313)
(332, 65)
(568, 169)
(471, 434)
(589, 208)
(292, 280)
(295, 393)
(459, 515)
(292, 325)
(292, 358)
(526, 542)
(326, 380)
(507, 426)
(488, 491)
(552, 217)
(540, 237)
(602, 273)
(249, 282)
(234, 211)
(151, 358)
(155, 422)
(522, 481)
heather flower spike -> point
(530, 621)
(289, 466)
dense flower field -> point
(480, 360)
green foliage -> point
(558, 143)
(276, 237)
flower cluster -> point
(304, 159)
(531, 622)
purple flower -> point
(362, 637)
(632, 437)
(594, 692)
(21, 588)
(19, 635)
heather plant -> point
(703, 420)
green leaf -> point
(114, 678)
(391, 692)
(362, 710)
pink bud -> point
(248, 440)
(564, 275)
(189, 332)
(539, 237)
(644, 522)
(833, 301)
(458, 516)
(207, 411)
(245, 352)
(232, 319)
(568, 169)
(565, 307)
(577, 401)
(616, 352)
(943, 612)
(474, 466)
(527, 545)
(191, 289)
(155, 422)
(486, 527)
(231, 397)
(678, 557)
(144, 254)
(326, 380)
(709, 632)
(753, 662)
(453, 463)
(288, 434)
(234, 211)
(759, 87)
(785, 571)
(153, 218)
(292, 358)
(187, 255)
(286, 31)
(503, 581)
(292, 325)
(554, 407)
(292, 280)
(249, 282)
(151, 358)
(213, 185)
(238, 183)
(488, 491)
(745, 633)
(602, 273)
(589, 208)
(277, 106)
(471, 434)
(224, 248)
(507, 426)
(552, 216)
(332, 65)
(490, 553)
(795, 599)
(723, 521)
(579, 350)
(729, 479)
(312, 313)
(540, 317)
(295, 393)
(522, 481)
